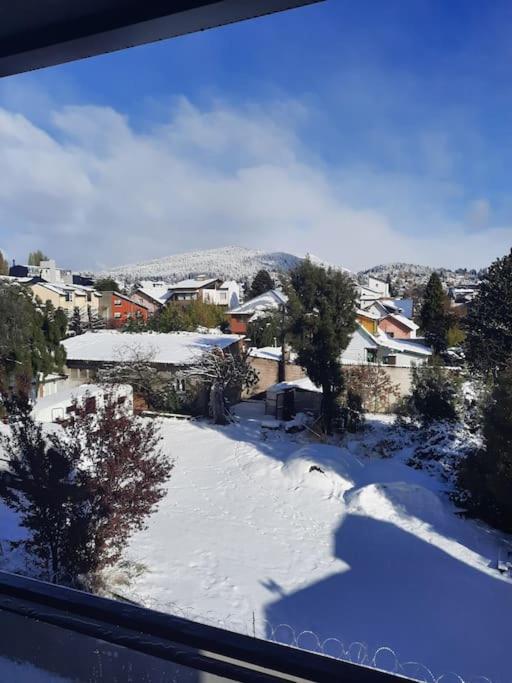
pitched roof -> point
(173, 348)
(193, 284)
(407, 322)
(268, 301)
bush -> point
(434, 394)
(485, 477)
(373, 385)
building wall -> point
(237, 324)
(368, 324)
(118, 309)
(389, 325)
(268, 371)
(147, 301)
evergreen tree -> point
(488, 343)
(486, 476)
(35, 258)
(4, 265)
(322, 318)
(106, 284)
(30, 336)
(75, 323)
(262, 283)
(433, 319)
(434, 394)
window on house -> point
(391, 335)
(371, 356)
(117, 302)
(117, 315)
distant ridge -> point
(229, 263)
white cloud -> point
(95, 192)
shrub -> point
(434, 394)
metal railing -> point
(139, 640)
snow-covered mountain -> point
(229, 263)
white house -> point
(365, 347)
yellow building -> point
(369, 321)
(68, 297)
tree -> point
(75, 323)
(106, 284)
(392, 288)
(35, 257)
(488, 343)
(38, 487)
(486, 476)
(4, 265)
(433, 319)
(262, 283)
(265, 330)
(82, 495)
(373, 385)
(222, 371)
(321, 319)
(30, 336)
(434, 393)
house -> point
(286, 399)
(372, 290)
(365, 347)
(67, 297)
(169, 353)
(368, 319)
(117, 309)
(153, 296)
(58, 406)
(269, 302)
(391, 319)
(194, 289)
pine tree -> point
(4, 265)
(30, 337)
(262, 283)
(106, 284)
(486, 476)
(488, 343)
(434, 393)
(433, 319)
(75, 323)
(322, 318)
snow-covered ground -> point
(325, 547)
(253, 537)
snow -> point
(262, 529)
(173, 348)
(266, 352)
(227, 263)
(405, 321)
(268, 301)
(304, 383)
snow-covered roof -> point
(268, 301)
(368, 314)
(402, 345)
(193, 284)
(407, 322)
(304, 383)
(159, 293)
(173, 348)
(267, 352)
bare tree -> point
(373, 385)
(221, 372)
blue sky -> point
(361, 132)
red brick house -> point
(117, 309)
(269, 302)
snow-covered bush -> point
(434, 394)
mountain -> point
(228, 263)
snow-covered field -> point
(253, 537)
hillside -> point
(230, 263)
(408, 276)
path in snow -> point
(367, 550)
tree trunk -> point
(217, 409)
(327, 407)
